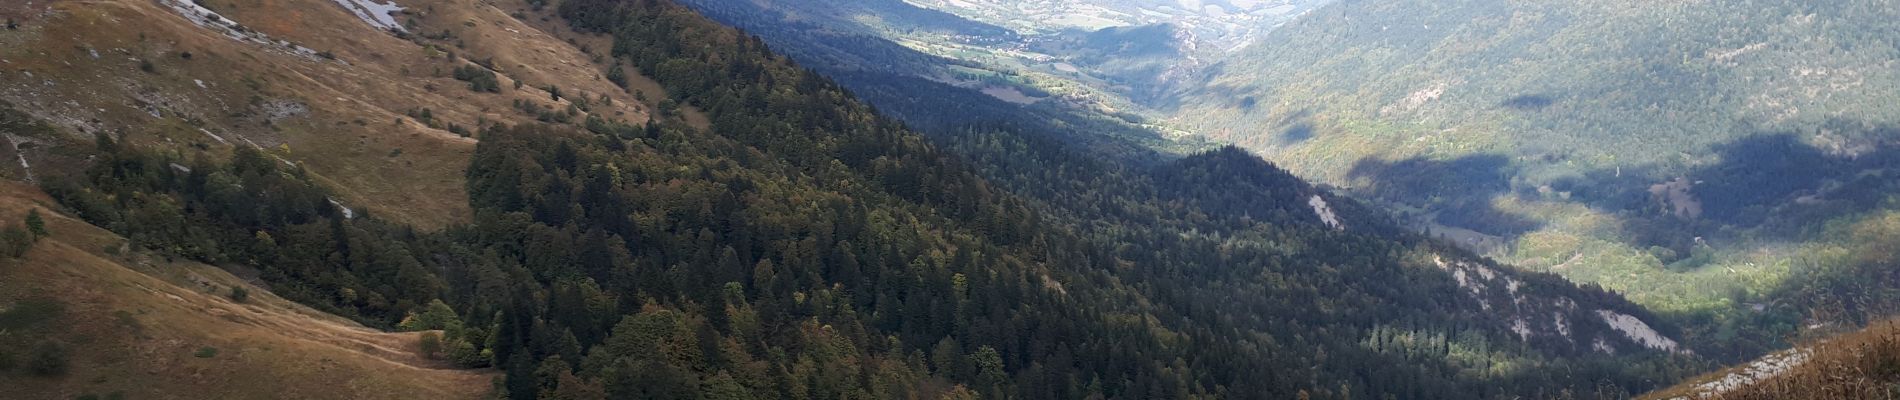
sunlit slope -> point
(375, 109)
(1707, 159)
(141, 326)
(1852, 365)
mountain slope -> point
(1852, 365)
(1597, 83)
(137, 325)
(1695, 156)
(1117, 200)
(767, 234)
(377, 112)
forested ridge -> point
(807, 247)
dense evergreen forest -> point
(808, 247)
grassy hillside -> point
(1694, 156)
(376, 112)
(1863, 364)
(127, 323)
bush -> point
(35, 224)
(48, 359)
(462, 353)
(238, 294)
(479, 79)
(431, 344)
(14, 242)
(206, 352)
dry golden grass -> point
(1862, 365)
(1857, 365)
(77, 64)
(135, 325)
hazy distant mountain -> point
(1223, 24)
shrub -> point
(463, 353)
(14, 242)
(206, 352)
(239, 294)
(430, 343)
(479, 79)
(48, 359)
(35, 224)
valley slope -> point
(1712, 160)
(133, 324)
(663, 206)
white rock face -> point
(212, 21)
(347, 212)
(1637, 330)
(24, 166)
(1767, 367)
(1325, 212)
(377, 15)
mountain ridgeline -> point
(804, 246)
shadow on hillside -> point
(1459, 190)
(1296, 134)
(1529, 102)
(1772, 185)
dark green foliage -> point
(205, 352)
(430, 344)
(542, 113)
(617, 75)
(148, 66)
(280, 222)
(479, 79)
(808, 247)
(35, 224)
(30, 312)
(240, 295)
(14, 241)
(48, 359)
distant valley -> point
(948, 199)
